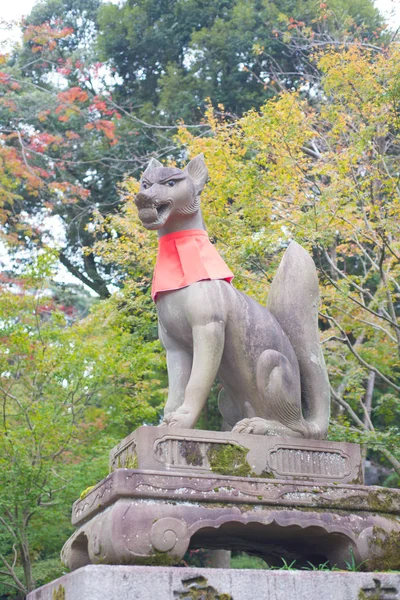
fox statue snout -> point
(269, 360)
(154, 209)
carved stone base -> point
(153, 517)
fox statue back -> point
(269, 360)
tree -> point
(327, 177)
(96, 89)
(171, 55)
(69, 391)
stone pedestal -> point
(293, 499)
(191, 451)
(103, 582)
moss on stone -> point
(358, 480)
(198, 588)
(86, 492)
(229, 459)
(158, 559)
(380, 501)
(266, 475)
(388, 545)
(377, 593)
(59, 594)
(131, 462)
(363, 596)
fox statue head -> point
(168, 194)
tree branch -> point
(78, 274)
(358, 357)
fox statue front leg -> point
(192, 374)
(179, 366)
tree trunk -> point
(368, 397)
(94, 281)
(367, 412)
(27, 565)
(333, 257)
(98, 281)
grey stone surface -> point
(159, 583)
(219, 490)
(270, 362)
(192, 451)
(297, 313)
(152, 518)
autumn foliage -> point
(37, 157)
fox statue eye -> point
(170, 183)
(145, 185)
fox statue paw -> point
(255, 425)
(181, 417)
(258, 426)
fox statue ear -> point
(197, 171)
(153, 164)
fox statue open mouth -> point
(153, 213)
(269, 359)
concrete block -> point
(104, 582)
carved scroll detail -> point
(170, 535)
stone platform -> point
(301, 507)
(103, 582)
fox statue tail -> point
(293, 300)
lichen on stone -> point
(378, 500)
(191, 452)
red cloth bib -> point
(185, 257)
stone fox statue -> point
(269, 360)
